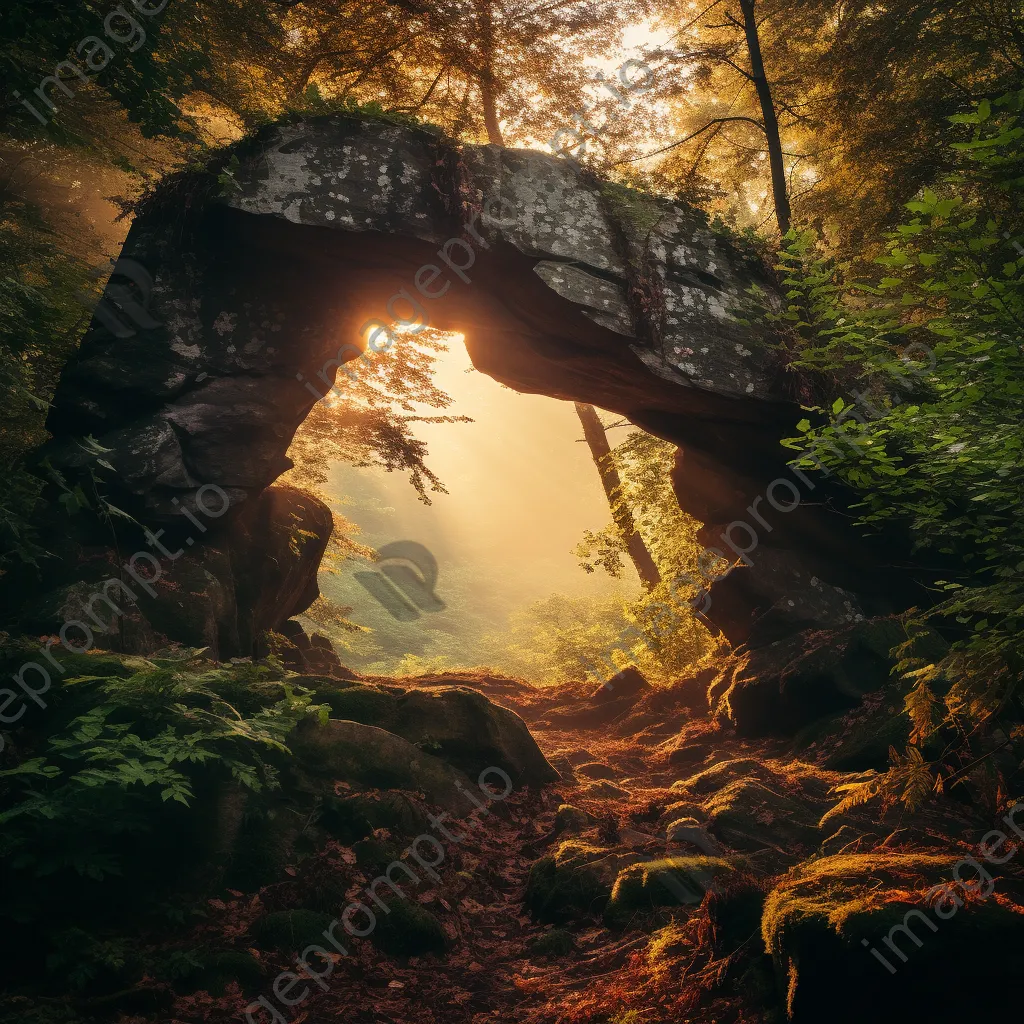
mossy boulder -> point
(378, 759)
(572, 819)
(688, 832)
(352, 818)
(891, 930)
(554, 943)
(466, 729)
(573, 882)
(711, 779)
(683, 808)
(750, 805)
(669, 882)
(355, 702)
(749, 815)
(457, 724)
(290, 931)
(407, 929)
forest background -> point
(871, 152)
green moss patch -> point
(575, 881)
(670, 882)
(368, 705)
(408, 930)
(554, 943)
(834, 923)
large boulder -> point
(669, 882)
(575, 882)
(379, 759)
(910, 932)
(458, 724)
(222, 589)
(471, 732)
(779, 689)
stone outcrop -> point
(322, 225)
(224, 593)
(375, 757)
(780, 688)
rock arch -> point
(263, 269)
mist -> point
(522, 488)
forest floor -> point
(632, 767)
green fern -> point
(138, 744)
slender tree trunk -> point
(780, 193)
(488, 85)
(494, 135)
(597, 439)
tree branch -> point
(700, 131)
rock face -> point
(783, 687)
(243, 289)
(376, 757)
(328, 223)
(222, 593)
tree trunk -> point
(597, 439)
(780, 193)
(494, 136)
(488, 86)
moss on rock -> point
(407, 929)
(575, 881)
(829, 921)
(670, 882)
(748, 815)
(555, 943)
(359, 702)
(466, 729)
(379, 759)
(572, 819)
